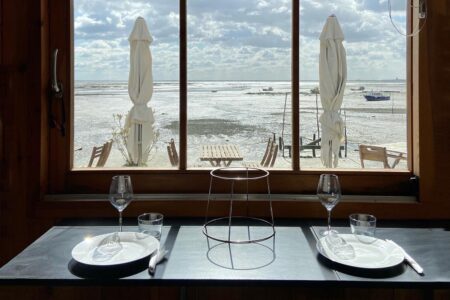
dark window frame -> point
(62, 179)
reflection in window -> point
(239, 58)
(102, 65)
(374, 103)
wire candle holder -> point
(234, 175)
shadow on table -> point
(248, 256)
(105, 272)
(368, 273)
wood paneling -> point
(15, 70)
(218, 293)
(94, 293)
(437, 133)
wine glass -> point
(120, 194)
(329, 193)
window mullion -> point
(183, 86)
(295, 84)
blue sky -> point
(237, 39)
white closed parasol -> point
(332, 77)
(139, 121)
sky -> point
(238, 39)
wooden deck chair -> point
(269, 158)
(270, 154)
(102, 153)
(373, 153)
(397, 156)
(173, 155)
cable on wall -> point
(422, 13)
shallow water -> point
(243, 113)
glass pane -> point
(373, 109)
(102, 66)
(239, 58)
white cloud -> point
(374, 49)
(234, 39)
(85, 20)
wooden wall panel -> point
(21, 92)
(14, 57)
(441, 294)
(91, 293)
(438, 77)
(217, 293)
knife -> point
(411, 261)
(155, 259)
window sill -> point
(194, 205)
(224, 197)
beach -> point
(244, 113)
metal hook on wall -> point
(57, 93)
(55, 85)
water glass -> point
(151, 224)
(363, 226)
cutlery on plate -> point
(409, 259)
(158, 256)
(108, 247)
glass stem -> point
(120, 220)
(329, 221)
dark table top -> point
(289, 258)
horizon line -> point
(239, 80)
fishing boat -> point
(376, 96)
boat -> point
(359, 88)
(376, 96)
(269, 89)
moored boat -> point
(376, 96)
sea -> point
(244, 113)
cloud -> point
(235, 39)
(374, 49)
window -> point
(101, 64)
(224, 73)
(374, 106)
(239, 69)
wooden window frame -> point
(59, 180)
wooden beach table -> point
(220, 155)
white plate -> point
(378, 255)
(135, 246)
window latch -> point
(422, 9)
(56, 93)
(414, 182)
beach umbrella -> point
(332, 80)
(139, 121)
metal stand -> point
(233, 175)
